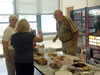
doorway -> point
(68, 10)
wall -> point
(93, 3)
(78, 4)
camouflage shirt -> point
(65, 29)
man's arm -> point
(39, 38)
(55, 38)
(5, 50)
(75, 37)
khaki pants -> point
(69, 48)
(10, 64)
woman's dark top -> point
(23, 45)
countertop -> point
(47, 70)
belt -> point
(66, 41)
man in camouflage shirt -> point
(67, 33)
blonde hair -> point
(22, 26)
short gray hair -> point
(12, 16)
(58, 11)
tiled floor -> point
(3, 70)
(1, 49)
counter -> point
(47, 70)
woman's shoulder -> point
(23, 34)
(14, 35)
(30, 34)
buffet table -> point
(47, 70)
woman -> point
(22, 42)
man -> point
(67, 33)
(7, 48)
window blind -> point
(36, 6)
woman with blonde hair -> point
(22, 41)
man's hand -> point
(54, 39)
(75, 37)
(74, 42)
(39, 31)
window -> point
(31, 19)
(48, 23)
(3, 27)
(4, 18)
(3, 23)
(36, 6)
(37, 12)
(6, 7)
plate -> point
(63, 72)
